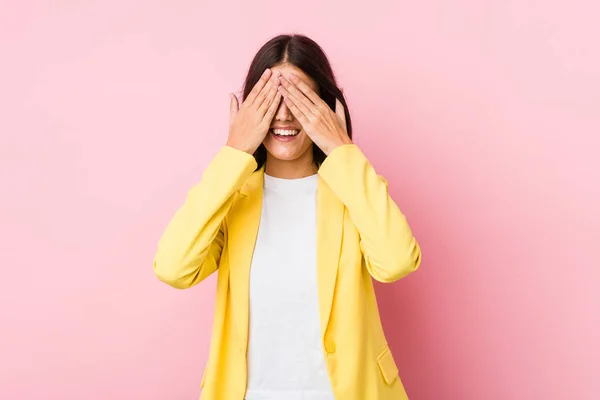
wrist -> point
(342, 141)
(239, 147)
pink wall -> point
(484, 116)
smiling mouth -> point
(284, 132)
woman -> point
(296, 222)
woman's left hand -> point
(327, 129)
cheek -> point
(304, 137)
(303, 141)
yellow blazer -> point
(361, 235)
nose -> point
(283, 113)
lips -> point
(284, 131)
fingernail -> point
(267, 71)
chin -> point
(284, 154)
(288, 151)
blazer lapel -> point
(243, 225)
(243, 230)
(330, 219)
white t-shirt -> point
(285, 355)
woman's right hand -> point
(250, 123)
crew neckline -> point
(293, 184)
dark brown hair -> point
(305, 54)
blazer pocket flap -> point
(387, 366)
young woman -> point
(296, 221)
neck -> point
(294, 169)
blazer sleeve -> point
(190, 248)
(388, 246)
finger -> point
(300, 99)
(269, 97)
(339, 110)
(258, 100)
(304, 121)
(303, 108)
(233, 106)
(308, 92)
(266, 90)
(273, 108)
(258, 86)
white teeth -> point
(286, 132)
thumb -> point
(339, 110)
(233, 106)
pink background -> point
(483, 115)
